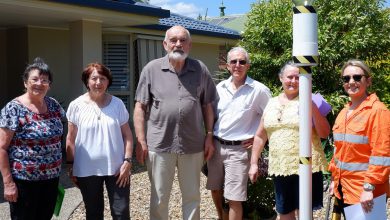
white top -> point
(99, 146)
(239, 113)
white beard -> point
(177, 55)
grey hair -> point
(285, 66)
(358, 63)
(176, 26)
(238, 49)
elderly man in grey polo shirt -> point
(241, 103)
(174, 97)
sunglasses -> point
(241, 62)
(356, 78)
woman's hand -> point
(247, 144)
(10, 192)
(124, 174)
(366, 199)
(10, 188)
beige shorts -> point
(228, 170)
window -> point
(125, 69)
(116, 56)
(147, 48)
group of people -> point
(181, 120)
(99, 146)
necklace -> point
(95, 106)
(97, 111)
(280, 112)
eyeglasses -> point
(241, 62)
(356, 78)
(43, 81)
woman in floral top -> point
(30, 147)
(280, 126)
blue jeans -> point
(91, 188)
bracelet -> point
(128, 159)
(69, 162)
(209, 132)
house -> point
(69, 34)
(235, 22)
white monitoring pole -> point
(305, 54)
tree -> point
(346, 30)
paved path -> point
(71, 200)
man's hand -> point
(366, 199)
(253, 172)
(141, 152)
(208, 147)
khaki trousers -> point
(161, 171)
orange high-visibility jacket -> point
(362, 150)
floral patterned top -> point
(35, 149)
(281, 123)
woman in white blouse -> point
(99, 145)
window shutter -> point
(124, 98)
(149, 49)
(116, 57)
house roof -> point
(194, 26)
(127, 6)
(166, 20)
(235, 22)
(61, 13)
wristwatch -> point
(128, 159)
(368, 187)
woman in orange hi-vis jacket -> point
(361, 162)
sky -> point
(192, 8)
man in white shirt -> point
(239, 109)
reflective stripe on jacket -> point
(362, 150)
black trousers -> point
(91, 188)
(36, 199)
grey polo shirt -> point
(175, 119)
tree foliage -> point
(358, 29)
(346, 29)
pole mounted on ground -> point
(305, 55)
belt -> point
(226, 142)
